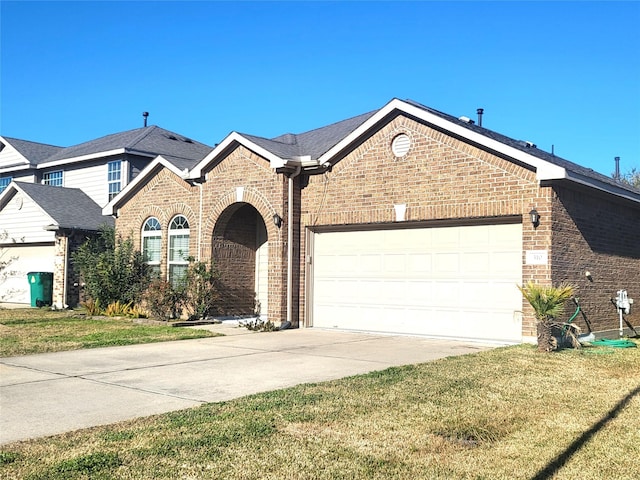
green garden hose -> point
(621, 343)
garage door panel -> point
(444, 281)
(25, 258)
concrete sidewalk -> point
(53, 393)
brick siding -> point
(441, 178)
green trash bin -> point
(41, 284)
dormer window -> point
(53, 178)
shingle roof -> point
(33, 151)
(151, 140)
(528, 148)
(69, 207)
(314, 142)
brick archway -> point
(247, 249)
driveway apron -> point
(52, 393)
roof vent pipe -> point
(145, 115)
(480, 112)
(617, 174)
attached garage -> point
(25, 259)
(446, 281)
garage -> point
(25, 259)
(454, 281)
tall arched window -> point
(152, 244)
(178, 248)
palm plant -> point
(548, 304)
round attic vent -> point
(400, 145)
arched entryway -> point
(240, 252)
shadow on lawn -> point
(557, 463)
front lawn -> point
(507, 413)
(28, 331)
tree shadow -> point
(557, 463)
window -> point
(52, 178)
(4, 183)
(114, 176)
(178, 249)
(151, 244)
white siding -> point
(24, 221)
(91, 179)
(9, 156)
(27, 178)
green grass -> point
(29, 331)
(507, 413)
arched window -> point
(152, 244)
(178, 248)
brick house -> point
(401, 220)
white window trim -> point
(173, 232)
(151, 234)
(48, 174)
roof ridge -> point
(146, 131)
(31, 141)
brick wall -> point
(440, 178)
(240, 179)
(597, 234)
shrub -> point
(92, 307)
(112, 269)
(198, 289)
(162, 300)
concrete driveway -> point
(53, 393)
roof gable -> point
(22, 153)
(70, 208)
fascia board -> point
(16, 167)
(90, 156)
(25, 160)
(598, 185)
(7, 194)
(544, 169)
(274, 160)
(22, 192)
(159, 161)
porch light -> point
(534, 216)
(277, 220)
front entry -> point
(240, 253)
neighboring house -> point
(44, 225)
(402, 220)
(99, 168)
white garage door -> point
(446, 282)
(24, 259)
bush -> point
(162, 300)
(92, 307)
(195, 294)
(112, 269)
(198, 290)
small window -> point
(400, 145)
(52, 178)
(4, 183)
(114, 176)
(152, 244)
(178, 249)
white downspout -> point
(290, 244)
(66, 272)
(200, 223)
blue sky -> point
(555, 73)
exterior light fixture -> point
(277, 220)
(534, 216)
